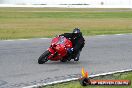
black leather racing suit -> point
(77, 40)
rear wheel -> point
(44, 57)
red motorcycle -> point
(57, 50)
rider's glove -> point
(70, 50)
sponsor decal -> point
(85, 81)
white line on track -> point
(49, 38)
(23, 39)
(114, 35)
(119, 34)
(72, 79)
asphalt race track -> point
(19, 67)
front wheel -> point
(44, 57)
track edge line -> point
(72, 79)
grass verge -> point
(76, 84)
(18, 23)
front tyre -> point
(44, 57)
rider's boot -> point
(77, 56)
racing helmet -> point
(76, 30)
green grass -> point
(47, 22)
(76, 84)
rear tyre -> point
(44, 57)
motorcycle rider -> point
(78, 43)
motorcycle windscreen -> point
(66, 42)
(58, 40)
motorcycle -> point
(58, 50)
